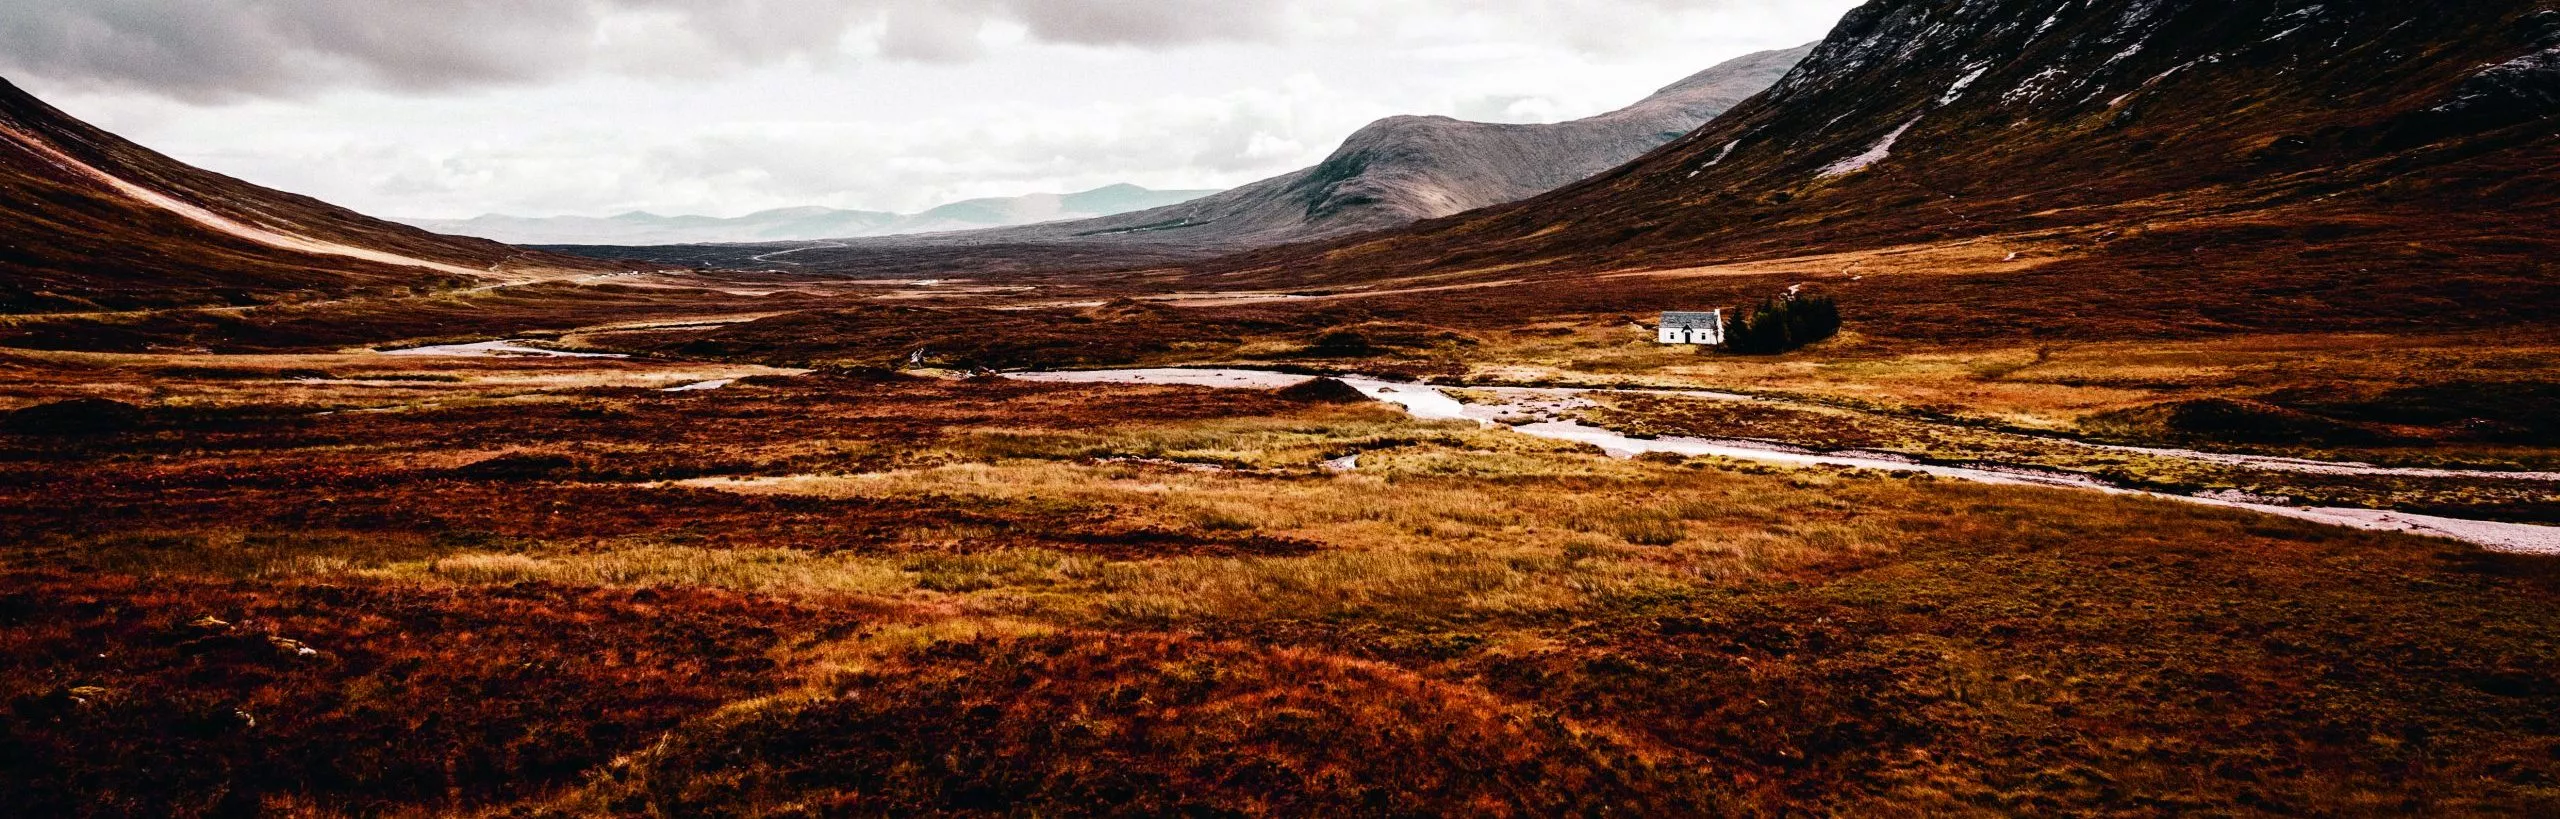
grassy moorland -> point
(2410, 394)
(2486, 494)
(546, 588)
(2476, 401)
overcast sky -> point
(452, 108)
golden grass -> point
(745, 570)
(2033, 384)
(1427, 530)
(1244, 443)
(1441, 521)
(246, 555)
(1621, 593)
(326, 380)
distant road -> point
(819, 246)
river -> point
(1430, 403)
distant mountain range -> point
(1402, 170)
(808, 224)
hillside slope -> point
(90, 221)
(1395, 172)
(2166, 166)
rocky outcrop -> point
(2509, 93)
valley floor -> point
(336, 582)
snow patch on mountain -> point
(1723, 154)
(2033, 87)
(1719, 160)
(1956, 92)
(1879, 153)
(2533, 77)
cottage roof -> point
(1692, 321)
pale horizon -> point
(729, 111)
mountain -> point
(640, 228)
(1036, 209)
(808, 223)
(1998, 168)
(1390, 174)
(89, 221)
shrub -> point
(2225, 420)
(1783, 324)
(1342, 343)
(78, 416)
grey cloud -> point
(533, 138)
(225, 49)
(212, 48)
(1149, 22)
(810, 166)
(933, 31)
(1503, 108)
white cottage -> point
(1693, 328)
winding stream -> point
(1430, 403)
(493, 349)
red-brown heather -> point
(797, 549)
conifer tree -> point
(1781, 324)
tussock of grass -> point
(1084, 725)
(745, 570)
(246, 555)
(1248, 443)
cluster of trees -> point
(1782, 324)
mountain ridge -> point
(1392, 173)
(808, 223)
(2102, 148)
(92, 221)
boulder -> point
(1323, 391)
(78, 416)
